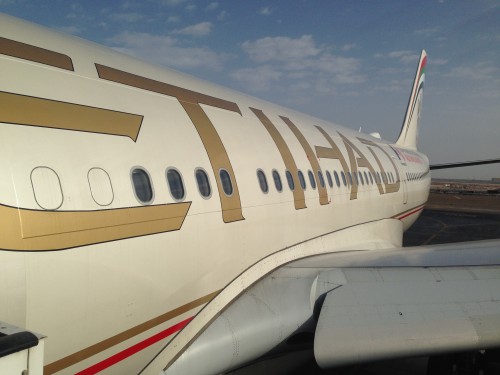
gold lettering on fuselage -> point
(359, 161)
(311, 156)
(191, 102)
(286, 155)
(353, 161)
(332, 152)
(32, 111)
(389, 187)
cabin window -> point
(344, 181)
(337, 181)
(100, 186)
(46, 188)
(371, 178)
(289, 178)
(262, 181)
(302, 180)
(366, 178)
(203, 183)
(361, 178)
(277, 180)
(321, 179)
(175, 184)
(355, 178)
(143, 188)
(349, 178)
(329, 178)
(225, 180)
(312, 181)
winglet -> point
(409, 131)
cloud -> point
(478, 71)
(257, 79)
(222, 15)
(127, 17)
(296, 64)
(348, 47)
(200, 29)
(427, 32)
(172, 3)
(212, 6)
(173, 19)
(404, 56)
(281, 49)
(266, 11)
(438, 61)
(165, 50)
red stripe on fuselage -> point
(118, 357)
(411, 213)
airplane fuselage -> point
(131, 195)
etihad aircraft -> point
(152, 223)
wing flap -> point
(383, 313)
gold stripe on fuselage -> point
(32, 111)
(92, 350)
(28, 52)
(37, 230)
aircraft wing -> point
(360, 305)
(463, 164)
(409, 306)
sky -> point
(346, 61)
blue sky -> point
(350, 62)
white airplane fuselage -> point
(110, 278)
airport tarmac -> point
(447, 218)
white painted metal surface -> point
(401, 312)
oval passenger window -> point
(175, 184)
(289, 178)
(47, 188)
(203, 183)
(225, 180)
(277, 180)
(262, 181)
(311, 179)
(100, 186)
(302, 180)
(142, 185)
